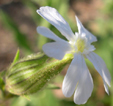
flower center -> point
(80, 44)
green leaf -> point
(16, 58)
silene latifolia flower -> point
(77, 78)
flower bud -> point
(31, 74)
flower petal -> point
(72, 76)
(100, 67)
(91, 38)
(56, 49)
(52, 16)
(106, 88)
(48, 33)
(85, 86)
(88, 49)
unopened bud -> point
(31, 74)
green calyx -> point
(31, 74)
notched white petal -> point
(72, 76)
(106, 88)
(48, 33)
(91, 48)
(88, 49)
(81, 30)
(85, 86)
(53, 16)
(100, 66)
(56, 49)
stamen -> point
(80, 45)
(77, 46)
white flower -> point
(79, 44)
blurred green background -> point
(18, 22)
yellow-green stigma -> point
(80, 45)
